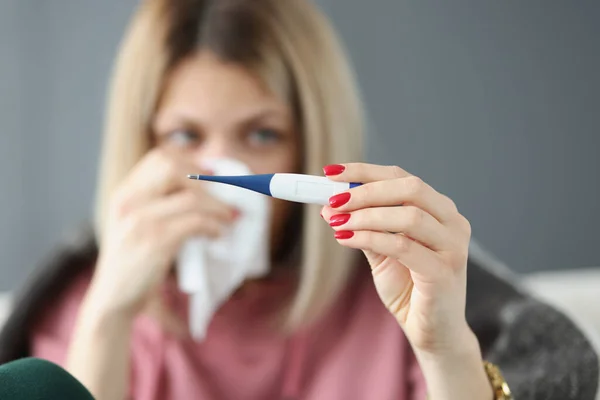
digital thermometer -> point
(300, 188)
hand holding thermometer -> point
(292, 187)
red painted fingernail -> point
(339, 199)
(343, 234)
(339, 219)
(333, 169)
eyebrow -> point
(171, 117)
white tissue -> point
(211, 270)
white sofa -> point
(575, 292)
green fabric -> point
(37, 379)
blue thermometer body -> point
(299, 188)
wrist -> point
(458, 347)
(98, 311)
(99, 349)
(456, 372)
(110, 299)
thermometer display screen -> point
(314, 190)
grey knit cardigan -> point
(541, 352)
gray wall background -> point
(494, 103)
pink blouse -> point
(355, 351)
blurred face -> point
(211, 109)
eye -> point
(181, 138)
(263, 137)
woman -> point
(265, 82)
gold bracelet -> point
(499, 385)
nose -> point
(214, 146)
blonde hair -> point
(291, 46)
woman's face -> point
(210, 109)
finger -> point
(184, 202)
(413, 255)
(156, 175)
(411, 221)
(144, 189)
(363, 172)
(166, 221)
(401, 191)
(193, 224)
(208, 203)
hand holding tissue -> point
(210, 271)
